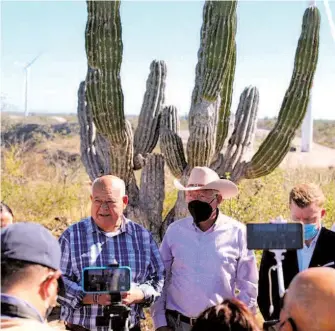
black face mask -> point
(200, 210)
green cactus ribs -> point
(294, 106)
(104, 54)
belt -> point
(181, 317)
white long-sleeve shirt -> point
(204, 268)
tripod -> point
(281, 286)
(115, 316)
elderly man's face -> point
(108, 205)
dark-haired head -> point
(230, 315)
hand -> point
(278, 220)
(135, 295)
(164, 328)
(103, 299)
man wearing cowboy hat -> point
(205, 256)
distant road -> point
(319, 157)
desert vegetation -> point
(46, 182)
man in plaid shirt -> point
(99, 240)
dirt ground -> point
(319, 156)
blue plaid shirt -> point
(83, 245)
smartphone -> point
(106, 279)
(267, 236)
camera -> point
(277, 238)
(274, 236)
(113, 280)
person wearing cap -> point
(30, 276)
(103, 239)
(205, 256)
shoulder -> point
(77, 228)
(327, 235)
(226, 221)
(183, 223)
(137, 229)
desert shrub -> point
(39, 192)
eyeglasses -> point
(201, 195)
(100, 203)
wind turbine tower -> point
(307, 124)
(27, 70)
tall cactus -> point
(211, 102)
(113, 148)
(108, 145)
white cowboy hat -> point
(203, 178)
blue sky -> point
(167, 30)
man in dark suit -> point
(306, 205)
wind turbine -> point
(307, 124)
(26, 69)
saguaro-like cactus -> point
(108, 145)
(114, 150)
(211, 101)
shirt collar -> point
(15, 301)
(219, 220)
(125, 226)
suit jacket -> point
(324, 253)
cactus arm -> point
(93, 164)
(103, 150)
(170, 142)
(244, 130)
(226, 95)
(122, 156)
(152, 193)
(219, 28)
(200, 65)
(104, 54)
(276, 145)
(219, 47)
(147, 131)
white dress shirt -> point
(305, 254)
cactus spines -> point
(89, 156)
(147, 131)
(170, 142)
(226, 96)
(219, 44)
(152, 193)
(216, 49)
(104, 55)
(122, 155)
(244, 128)
(293, 109)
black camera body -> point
(115, 315)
